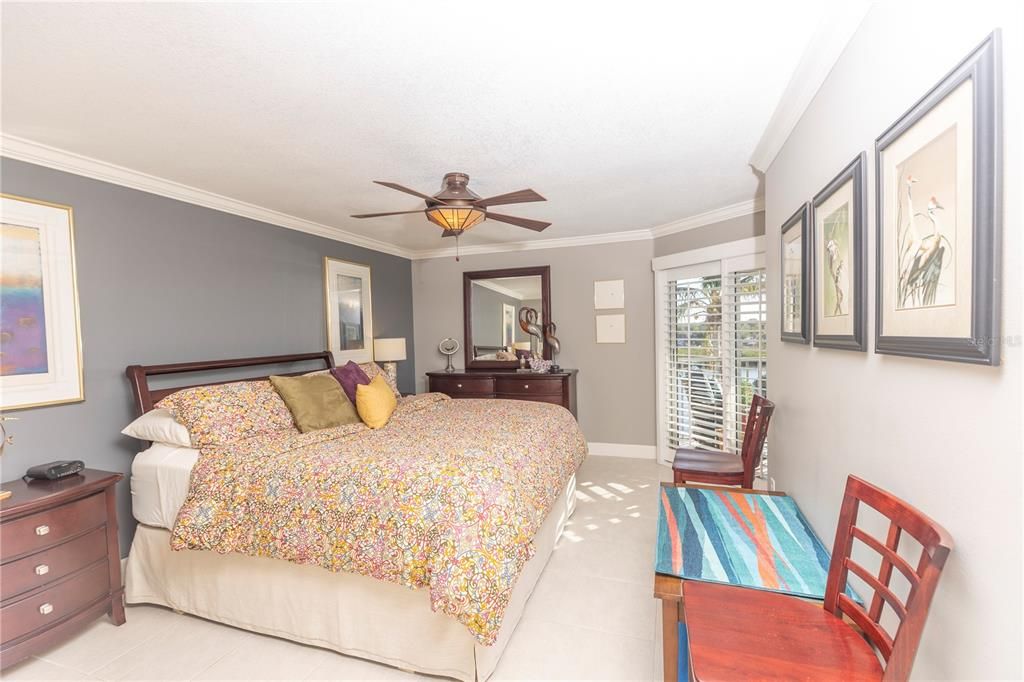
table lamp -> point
(388, 352)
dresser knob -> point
(46, 609)
(526, 385)
(458, 385)
(42, 530)
(42, 569)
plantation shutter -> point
(715, 352)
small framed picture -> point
(609, 294)
(349, 311)
(938, 219)
(796, 268)
(611, 328)
(837, 220)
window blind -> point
(716, 357)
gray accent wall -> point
(162, 281)
(944, 436)
(731, 230)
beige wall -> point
(743, 227)
(944, 436)
(615, 382)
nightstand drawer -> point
(527, 386)
(49, 606)
(457, 386)
(47, 528)
(52, 564)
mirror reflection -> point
(496, 303)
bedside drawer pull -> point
(46, 609)
(42, 530)
(526, 385)
(458, 385)
(42, 569)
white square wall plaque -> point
(611, 328)
(609, 294)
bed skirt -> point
(345, 612)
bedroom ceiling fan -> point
(457, 208)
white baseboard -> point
(630, 450)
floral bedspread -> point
(448, 496)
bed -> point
(356, 607)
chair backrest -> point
(897, 650)
(754, 435)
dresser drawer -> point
(553, 399)
(529, 386)
(458, 386)
(47, 528)
(49, 606)
(52, 564)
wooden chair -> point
(728, 468)
(738, 633)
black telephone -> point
(54, 470)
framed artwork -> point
(508, 325)
(609, 294)
(40, 335)
(611, 328)
(938, 219)
(349, 311)
(837, 221)
(796, 268)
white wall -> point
(945, 436)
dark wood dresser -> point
(60, 567)
(558, 388)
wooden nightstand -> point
(60, 567)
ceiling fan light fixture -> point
(455, 219)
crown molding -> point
(50, 157)
(559, 243)
(820, 56)
(716, 215)
(43, 155)
(504, 291)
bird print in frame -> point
(938, 186)
(839, 260)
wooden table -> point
(801, 570)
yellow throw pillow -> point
(375, 402)
(316, 401)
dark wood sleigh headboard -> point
(146, 397)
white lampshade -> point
(388, 350)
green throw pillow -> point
(316, 401)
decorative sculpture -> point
(528, 323)
(553, 343)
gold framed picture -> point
(40, 334)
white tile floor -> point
(591, 616)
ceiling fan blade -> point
(536, 225)
(377, 215)
(400, 188)
(522, 196)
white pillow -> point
(160, 427)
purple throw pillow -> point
(350, 376)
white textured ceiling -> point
(625, 116)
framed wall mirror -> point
(491, 301)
